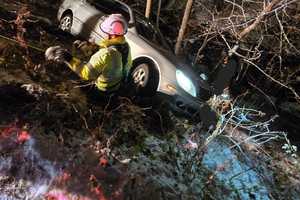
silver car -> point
(155, 68)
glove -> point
(58, 54)
(87, 48)
(79, 44)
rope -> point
(16, 42)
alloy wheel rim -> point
(66, 23)
(139, 76)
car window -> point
(150, 32)
(110, 7)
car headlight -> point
(185, 83)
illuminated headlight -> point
(185, 83)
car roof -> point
(115, 6)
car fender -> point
(167, 70)
(66, 5)
(146, 59)
(165, 80)
(83, 22)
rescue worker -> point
(108, 68)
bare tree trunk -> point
(148, 8)
(185, 19)
(158, 13)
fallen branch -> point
(259, 18)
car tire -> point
(144, 79)
(66, 22)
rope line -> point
(16, 42)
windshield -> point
(150, 32)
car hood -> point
(171, 57)
(176, 61)
(184, 67)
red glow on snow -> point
(6, 132)
(56, 196)
(118, 195)
(103, 162)
(66, 176)
(13, 131)
(23, 136)
(98, 191)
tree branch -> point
(259, 18)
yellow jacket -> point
(105, 67)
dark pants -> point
(97, 96)
(224, 76)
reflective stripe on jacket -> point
(106, 66)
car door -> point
(86, 18)
(78, 10)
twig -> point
(258, 19)
(254, 86)
(104, 114)
(240, 7)
(284, 34)
(274, 80)
(206, 40)
(85, 122)
(161, 121)
(85, 85)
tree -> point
(148, 8)
(185, 19)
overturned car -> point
(155, 68)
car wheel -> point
(66, 22)
(144, 79)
